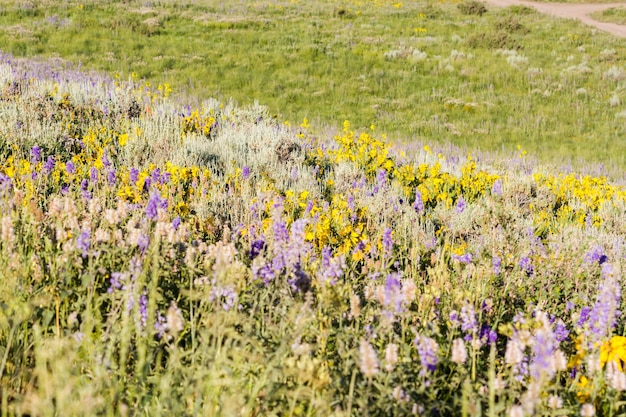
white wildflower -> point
(369, 361)
(409, 290)
(355, 306)
(588, 410)
(516, 411)
(8, 232)
(102, 235)
(55, 208)
(174, 320)
(459, 352)
(555, 402)
(391, 356)
(558, 361)
(616, 379)
(499, 384)
(399, 394)
(514, 352)
(418, 55)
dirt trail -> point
(571, 11)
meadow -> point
(419, 71)
(614, 14)
(169, 257)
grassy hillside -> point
(428, 72)
(159, 259)
(615, 15)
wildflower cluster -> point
(290, 270)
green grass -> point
(613, 15)
(170, 262)
(334, 60)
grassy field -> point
(614, 15)
(420, 71)
(163, 260)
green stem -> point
(6, 352)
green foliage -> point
(613, 15)
(472, 7)
(373, 64)
(493, 41)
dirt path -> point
(571, 11)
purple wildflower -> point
(264, 273)
(281, 234)
(351, 202)
(176, 222)
(143, 309)
(496, 189)
(326, 257)
(279, 263)
(544, 345)
(256, 247)
(154, 203)
(115, 281)
(521, 369)
(332, 267)
(70, 167)
(496, 263)
(487, 334)
(596, 255)
(526, 265)
(105, 160)
(584, 316)
(464, 259)
(111, 177)
(49, 165)
(360, 247)
(35, 154)
(225, 296)
(387, 242)
(134, 175)
(93, 174)
(560, 331)
(84, 186)
(5, 181)
(460, 205)
(156, 175)
(297, 247)
(245, 172)
(381, 178)
(143, 241)
(393, 293)
(454, 318)
(427, 350)
(603, 316)
(418, 204)
(160, 325)
(300, 281)
(468, 321)
(83, 242)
